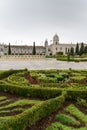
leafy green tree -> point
(9, 49)
(85, 49)
(34, 49)
(77, 49)
(72, 51)
(68, 55)
(81, 49)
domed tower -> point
(55, 39)
(46, 46)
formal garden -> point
(43, 99)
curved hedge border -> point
(18, 79)
(37, 112)
(41, 92)
(30, 116)
(38, 92)
(76, 93)
(9, 72)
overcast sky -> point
(26, 21)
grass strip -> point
(67, 120)
(21, 102)
(73, 110)
(59, 126)
(3, 98)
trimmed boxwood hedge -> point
(73, 94)
(9, 72)
(30, 116)
(18, 79)
(38, 92)
(43, 92)
(45, 108)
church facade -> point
(55, 47)
(47, 49)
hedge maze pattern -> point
(27, 97)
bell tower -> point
(55, 39)
(46, 46)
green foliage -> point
(20, 102)
(30, 91)
(52, 83)
(59, 53)
(34, 75)
(34, 49)
(59, 126)
(3, 98)
(77, 113)
(81, 49)
(67, 120)
(18, 79)
(9, 49)
(77, 49)
(5, 101)
(74, 93)
(9, 72)
(60, 78)
(78, 78)
(68, 55)
(47, 79)
(32, 115)
(72, 51)
(13, 110)
(85, 49)
(82, 102)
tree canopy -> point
(9, 49)
(34, 49)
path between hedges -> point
(40, 64)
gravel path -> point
(40, 64)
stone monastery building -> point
(47, 49)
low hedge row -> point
(43, 92)
(9, 72)
(38, 92)
(18, 79)
(30, 116)
(71, 59)
(67, 120)
(73, 94)
(78, 78)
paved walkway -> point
(40, 64)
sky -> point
(26, 21)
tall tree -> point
(81, 49)
(9, 49)
(68, 55)
(85, 49)
(72, 51)
(34, 49)
(77, 49)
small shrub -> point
(77, 79)
(77, 113)
(67, 120)
(81, 102)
